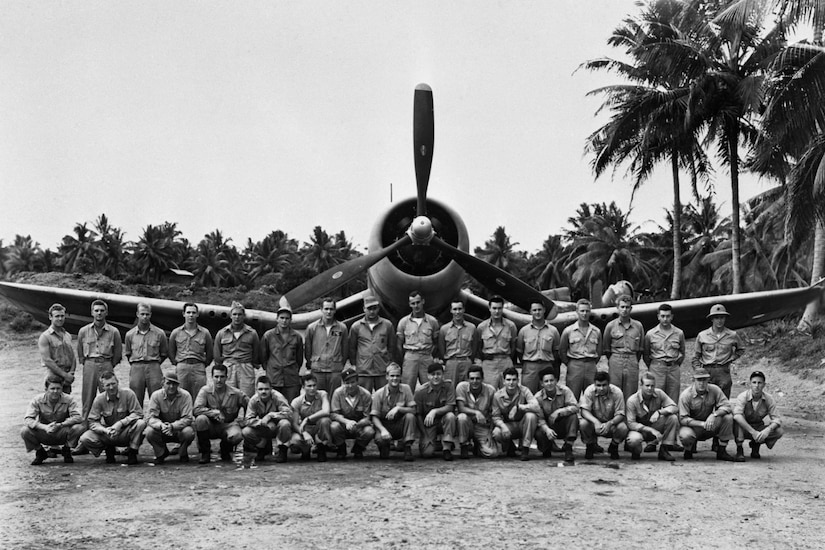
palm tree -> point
(649, 121)
(704, 230)
(321, 252)
(156, 250)
(216, 262)
(547, 269)
(111, 258)
(499, 251)
(80, 254)
(23, 255)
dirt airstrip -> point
(776, 502)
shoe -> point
(634, 455)
(322, 453)
(589, 452)
(465, 452)
(740, 454)
(67, 455)
(52, 452)
(110, 455)
(280, 458)
(554, 447)
(688, 455)
(715, 445)
(184, 458)
(260, 454)
(613, 449)
(162, 458)
(408, 456)
(677, 448)
(650, 448)
(448, 455)
(80, 450)
(384, 451)
(342, 452)
(722, 454)
(755, 449)
(547, 453)
(665, 455)
(568, 453)
(525, 454)
(132, 457)
(598, 449)
(248, 461)
(511, 451)
(205, 458)
(306, 455)
(357, 452)
(226, 451)
(40, 457)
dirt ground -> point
(776, 502)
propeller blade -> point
(423, 138)
(337, 276)
(510, 287)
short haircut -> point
(415, 294)
(602, 376)
(495, 299)
(435, 367)
(509, 371)
(665, 307)
(107, 375)
(309, 378)
(263, 379)
(455, 301)
(624, 299)
(53, 379)
(476, 368)
(330, 299)
(189, 304)
(100, 303)
(647, 375)
(56, 307)
(583, 302)
(221, 368)
(144, 305)
(545, 371)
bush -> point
(8, 312)
(21, 322)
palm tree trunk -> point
(675, 288)
(734, 197)
(817, 272)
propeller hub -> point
(421, 230)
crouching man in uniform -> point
(350, 414)
(169, 418)
(311, 421)
(558, 415)
(652, 416)
(750, 410)
(705, 412)
(515, 415)
(53, 418)
(216, 415)
(393, 414)
(116, 418)
(474, 398)
(435, 404)
(268, 417)
(603, 414)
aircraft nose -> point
(421, 229)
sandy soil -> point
(773, 503)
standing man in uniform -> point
(705, 412)
(311, 420)
(99, 348)
(417, 341)
(651, 416)
(190, 350)
(238, 347)
(663, 351)
(457, 344)
(515, 415)
(116, 418)
(435, 406)
(145, 347)
(558, 416)
(393, 414)
(56, 350)
(371, 345)
(623, 339)
(52, 418)
(750, 410)
(497, 342)
(580, 349)
(282, 353)
(350, 408)
(537, 345)
(474, 399)
(216, 412)
(717, 348)
(327, 347)
(169, 418)
(602, 415)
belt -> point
(666, 362)
(585, 359)
(99, 359)
(494, 355)
(716, 365)
(628, 353)
(191, 361)
(419, 351)
(463, 357)
(144, 361)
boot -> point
(358, 451)
(110, 455)
(589, 451)
(715, 445)
(511, 450)
(205, 448)
(260, 454)
(384, 451)
(448, 455)
(40, 456)
(755, 449)
(548, 452)
(342, 452)
(408, 456)
(67, 454)
(740, 453)
(525, 454)
(665, 455)
(226, 451)
(281, 457)
(722, 454)
(465, 451)
(598, 449)
(635, 455)
(249, 454)
(132, 456)
(613, 449)
(322, 453)
(567, 448)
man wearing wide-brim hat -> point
(169, 418)
(717, 348)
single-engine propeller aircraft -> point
(416, 244)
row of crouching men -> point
(473, 419)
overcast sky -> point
(254, 116)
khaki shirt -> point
(693, 406)
(538, 344)
(42, 411)
(257, 409)
(457, 341)
(384, 400)
(344, 407)
(232, 350)
(371, 348)
(505, 406)
(197, 346)
(603, 407)
(421, 337)
(717, 349)
(176, 410)
(619, 338)
(562, 401)
(212, 405)
(106, 344)
(578, 343)
(664, 346)
(60, 346)
(107, 412)
(326, 350)
(497, 340)
(149, 346)
(483, 402)
(639, 411)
